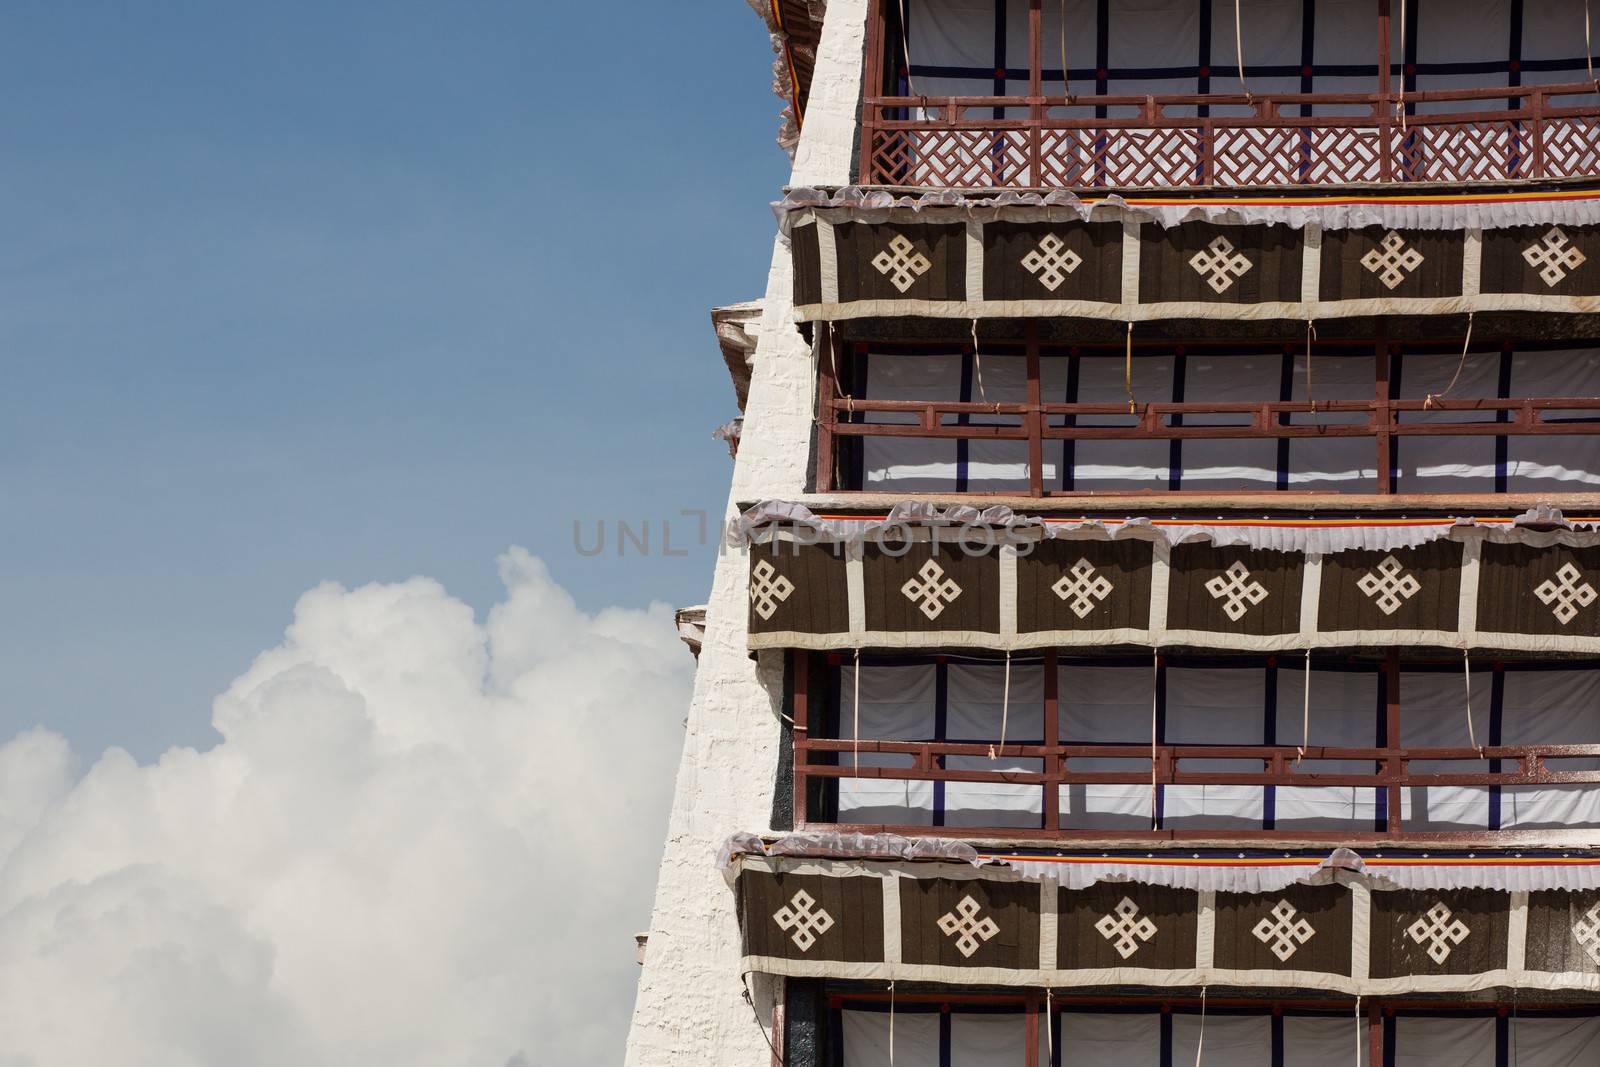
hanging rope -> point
(1238, 49)
(1588, 49)
(1466, 664)
(1066, 83)
(1005, 708)
(1049, 1023)
(1305, 714)
(1432, 398)
(744, 980)
(855, 710)
(1359, 1035)
(1200, 1046)
(977, 366)
(1155, 699)
(1400, 104)
(1311, 337)
(1127, 371)
(905, 51)
(891, 1024)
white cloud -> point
(423, 840)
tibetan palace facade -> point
(1159, 619)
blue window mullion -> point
(1380, 811)
(1161, 739)
(1285, 393)
(1502, 444)
(1269, 736)
(963, 420)
(1497, 712)
(941, 722)
(1175, 446)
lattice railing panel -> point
(1461, 152)
(1155, 142)
(956, 158)
(1266, 156)
(1133, 158)
(1571, 147)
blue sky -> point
(355, 291)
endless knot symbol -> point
(933, 591)
(1392, 260)
(768, 589)
(1052, 261)
(1587, 931)
(1555, 255)
(806, 924)
(1285, 932)
(1236, 586)
(905, 266)
(1125, 928)
(1566, 593)
(1223, 265)
(965, 921)
(1439, 930)
(1389, 585)
(1083, 587)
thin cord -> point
(1305, 720)
(891, 1024)
(1005, 707)
(1200, 1046)
(977, 365)
(856, 712)
(1049, 1021)
(1588, 49)
(1359, 1035)
(744, 979)
(1400, 104)
(1429, 400)
(1466, 664)
(1066, 83)
(1127, 371)
(1311, 336)
(905, 49)
(1238, 48)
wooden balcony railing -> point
(1494, 133)
(1133, 142)
(821, 759)
(1381, 419)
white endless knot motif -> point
(1389, 585)
(1566, 593)
(1587, 931)
(1440, 930)
(1221, 265)
(1236, 587)
(904, 266)
(1125, 928)
(806, 924)
(768, 589)
(1285, 932)
(1083, 587)
(931, 590)
(1554, 255)
(966, 922)
(1052, 261)
(1392, 260)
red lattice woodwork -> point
(822, 759)
(1470, 135)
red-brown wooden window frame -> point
(1399, 144)
(841, 416)
(1392, 773)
